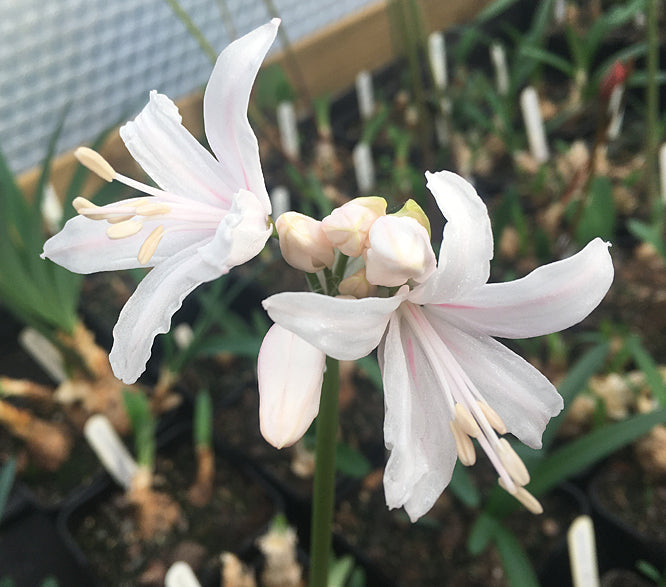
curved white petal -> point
(416, 429)
(82, 246)
(467, 241)
(551, 298)
(522, 396)
(342, 328)
(148, 312)
(290, 373)
(225, 109)
(175, 160)
(240, 236)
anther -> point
(95, 162)
(123, 229)
(464, 446)
(153, 209)
(530, 502)
(513, 463)
(493, 418)
(149, 246)
(467, 422)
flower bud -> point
(303, 243)
(412, 210)
(290, 372)
(399, 251)
(347, 227)
(356, 285)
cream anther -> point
(513, 463)
(149, 246)
(464, 446)
(153, 209)
(467, 422)
(124, 229)
(95, 162)
(116, 219)
(530, 502)
(493, 418)
(80, 203)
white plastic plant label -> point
(110, 450)
(583, 553)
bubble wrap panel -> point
(100, 58)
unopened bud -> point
(399, 251)
(412, 210)
(303, 243)
(347, 227)
(356, 285)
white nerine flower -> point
(209, 215)
(442, 370)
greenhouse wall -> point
(99, 59)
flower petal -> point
(342, 328)
(551, 298)
(175, 160)
(148, 312)
(290, 374)
(522, 396)
(225, 110)
(467, 241)
(240, 236)
(416, 430)
(82, 246)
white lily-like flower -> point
(442, 370)
(210, 214)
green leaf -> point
(6, 481)
(203, 419)
(590, 449)
(647, 364)
(599, 216)
(517, 565)
(462, 485)
(350, 462)
(549, 58)
(576, 380)
(340, 570)
(482, 533)
(143, 425)
(651, 234)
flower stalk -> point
(323, 497)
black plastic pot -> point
(31, 548)
(102, 496)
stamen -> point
(153, 209)
(117, 219)
(464, 446)
(149, 246)
(95, 162)
(123, 229)
(530, 502)
(467, 422)
(513, 463)
(493, 418)
(80, 203)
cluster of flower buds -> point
(390, 249)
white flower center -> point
(472, 417)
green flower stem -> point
(324, 479)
